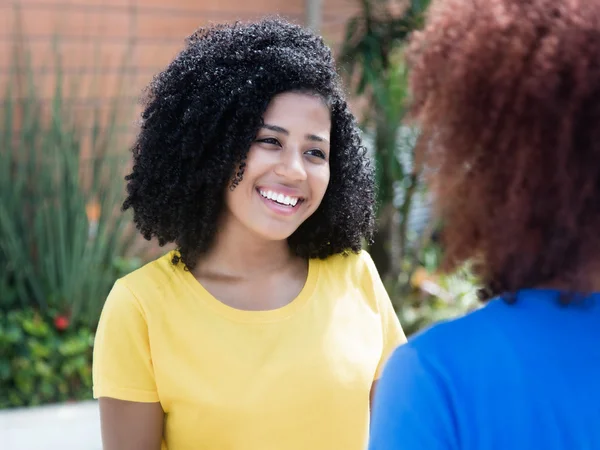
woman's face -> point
(287, 168)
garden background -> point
(70, 75)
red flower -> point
(61, 322)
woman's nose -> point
(291, 165)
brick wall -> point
(97, 36)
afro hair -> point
(507, 95)
(200, 116)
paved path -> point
(73, 426)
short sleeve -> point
(411, 408)
(392, 332)
(122, 363)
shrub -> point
(43, 358)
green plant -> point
(373, 64)
(43, 359)
(61, 232)
(372, 60)
(435, 297)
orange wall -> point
(96, 36)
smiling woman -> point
(287, 163)
(268, 327)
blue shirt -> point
(507, 377)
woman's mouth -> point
(279, 202)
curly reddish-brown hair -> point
(507, 96)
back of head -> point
(507, 93)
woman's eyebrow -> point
(314, 137)
(275, 128)
(278, 129)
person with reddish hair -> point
(507, 97)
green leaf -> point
(36, 327)
(5, 370)
(38, 349)
(73, 346)
(43, 369)
(25, 383)
(13, 334)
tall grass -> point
(61, 186)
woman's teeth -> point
(280, 198)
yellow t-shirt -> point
(293, 378)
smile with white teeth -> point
(280, 198)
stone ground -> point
(74, 426)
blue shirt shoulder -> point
(494, 378)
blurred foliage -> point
(372, 63)
(43, 358)
(61, 232)
(405, 249)
(430, 296)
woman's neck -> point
(239, 253)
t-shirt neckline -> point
(261, 316)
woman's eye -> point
(318, 153)
(270, 141)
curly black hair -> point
(201, 115)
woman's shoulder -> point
(351, 266)
(349, 260)
(153, 279)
